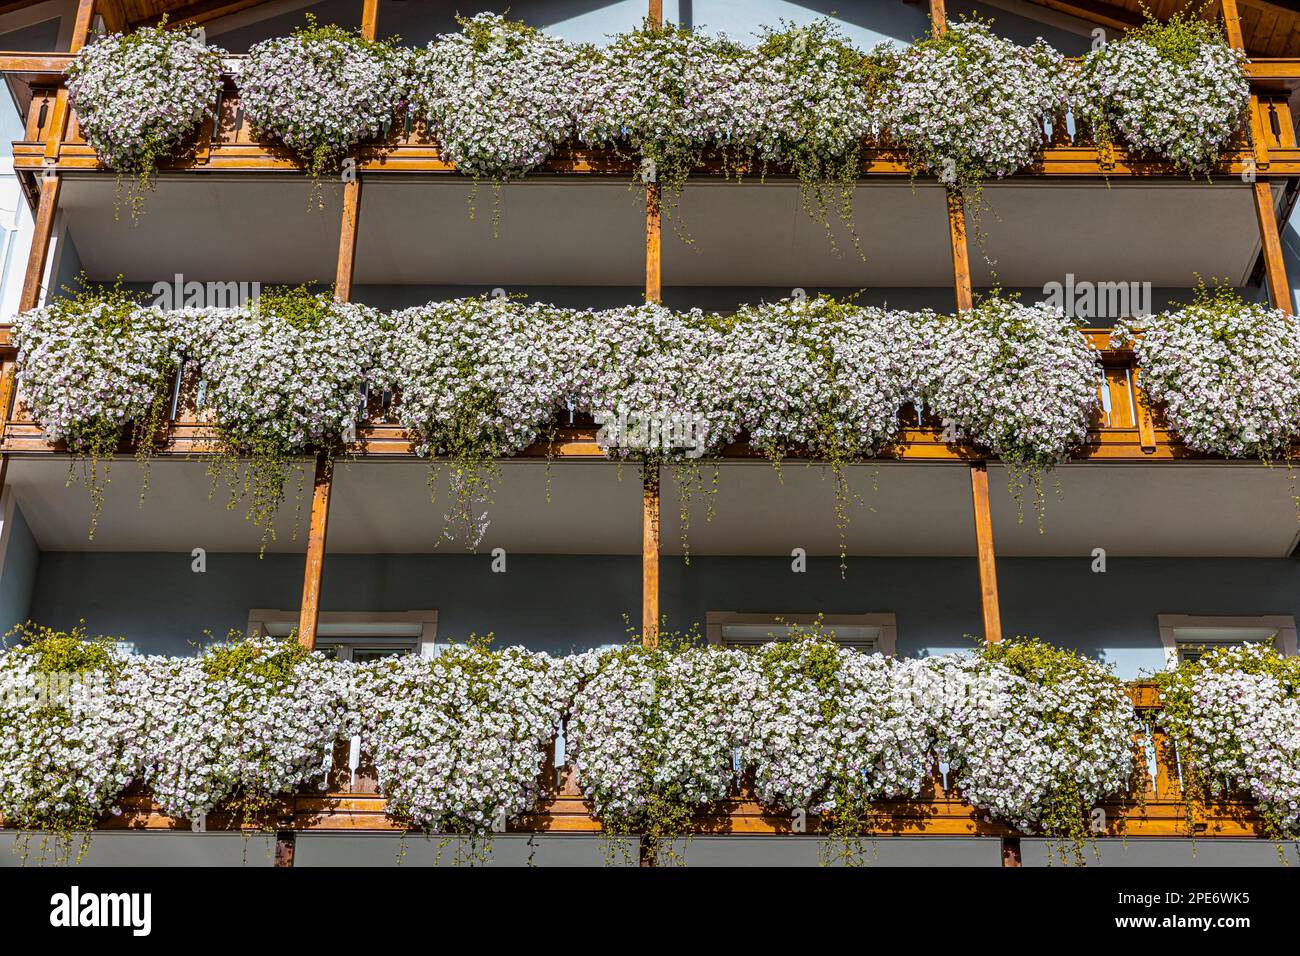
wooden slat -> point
(960, 252)
(1279, 286)
(369, 18)
(979, 479)
(348, 240)
(40, 248)
(650, 556)
(309, 613)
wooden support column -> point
(1232, 24)
(369, 18)
(938, 17)
(41, 234)
(650, 555)
(320, 515)
(960, 253)
(50, 181)
(979, 481)
(1279, 286)
(653, 243)
(1011, 851)
(348, 239)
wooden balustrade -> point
(1123, 428)
(1148, 811)
(231, 143)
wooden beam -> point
(40, 250)
(81, 26)
(938, 17)
(309, 611)
(960, 251)
(348, 239)
(1103, 14)
(369, 18)
(979, 481)
(655, 12)
(653, 243)
(650, 555)
(114, 15)
(1232, 24)
(1279, 286)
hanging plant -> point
(1019, 380)
(96, 370)
(1234, 716)
(653, 737)
(816, 105)
(240, 725)
(667, 95)
(499, 95)
(1227, 373)
(139, 96)
(968, 106)
(831, 730)
(460, 739)
(1173, 91)
(284, 378)
(479, 381)
(1035, 736)
(66, 753)
(825, 378)
(320, 91)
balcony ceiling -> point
(1174, 509)
(587, 231)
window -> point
(869, 633)
(1186, 638)
(357, 635)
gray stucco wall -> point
(560, 603)
(17, 570)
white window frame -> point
(1284, 624)
(424, 644)
(886, 644)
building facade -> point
(1142, 552)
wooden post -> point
(1279, 286)
(348, 239)
(1011, 851)
(653, 204)
(369, 18)
(960, 253)
(320, 515)
(938, 17)
(650, 555)
(979, 481)
(1232, 24)
(50, 181)
(41, 233)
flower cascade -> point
(139, 95)
(1036, 736)
(321, 90)
(1225, 372)
(498, 95)
(459, 740)
(241, 723)
(968, 105)
(1234, 715)
(1175, 91)
(66, 752)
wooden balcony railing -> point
(1155, 808)
(230, 143)
(1123, 428)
